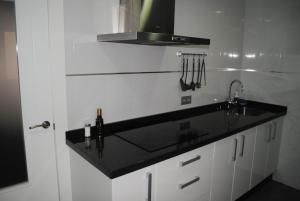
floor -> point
(273, 191)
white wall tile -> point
(220, 20)
(84, 19)
(130, 96)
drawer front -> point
(185, 177)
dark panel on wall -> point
(13, 168)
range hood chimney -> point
(148, 22)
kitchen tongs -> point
(201, 72)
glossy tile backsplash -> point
(272, 48)
(129, 96)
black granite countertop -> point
(134, 144)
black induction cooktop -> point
(160, 136)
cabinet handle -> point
(182, 164)
(270, 132)
(243, 146)
(274, 131)
(182, 186)
(235, 142)
(149, 189)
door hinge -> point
(53, 126)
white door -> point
(261, 153)
(35, 85)
(223, 167)
(274, 147)
(243, 165)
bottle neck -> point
(99, 112)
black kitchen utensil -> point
(187, 87)
(204, 71)
(201, 71)
(193, 85)
(182, 84)
(198, 84)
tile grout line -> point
(179, 71)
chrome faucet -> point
(230, 98)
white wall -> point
(272, 29)
(130, 96)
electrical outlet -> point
(185, 100)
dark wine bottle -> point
(99, 122)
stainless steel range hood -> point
(148, 22)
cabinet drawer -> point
(185, 177)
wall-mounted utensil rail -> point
(179, 54)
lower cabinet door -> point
(135, 186)
(223, 168)
(243, 164)
(274, 147)
(261, 153)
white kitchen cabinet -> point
(232, 166)
(135, 186)
(267, 145)
(243, 163)
(261, 150)
(274, 147)
(220, 171)
(223, 168)
(90, 184)
(185, 177)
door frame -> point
(58, 87)
(58, 67)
